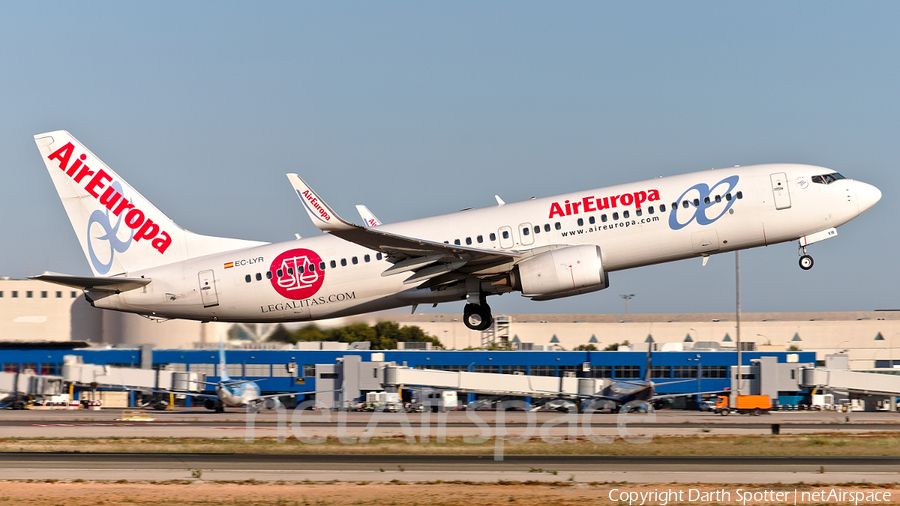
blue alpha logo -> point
(107, 238)
(701, 200)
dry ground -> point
(401, 494)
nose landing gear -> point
(806, 261)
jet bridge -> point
(849, 381)
(18, 385)
(859, 383)
(74, 371)
(492, 384)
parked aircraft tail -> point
(119, 230)
(223, 367)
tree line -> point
(383, 335)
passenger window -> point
(603, 218)
(247, 278)
(312, 267)
(639, 212)
(290, 271)
(580, 222)
(662, 208)
(546, 227)
(333, 264)
(268, 274)
(493, 236)
(378, 256)
(258, 276)
(506, 234)
(280, 273)
(343, 262)
(739, 195)
(685, 204)
(354, 260)
(537, 229)
(367, 258)
(626, 214)
(592, 220)
(525, 231)
(650, 209)
(480, 239)
(696, 202)
(615, 216)
(468, 240)
(706, 201)
(719, 199)
(728, 197)
(456, 242)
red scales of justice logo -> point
(298, 273)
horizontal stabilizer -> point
(94, 284)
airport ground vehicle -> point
(752, 404)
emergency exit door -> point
(208, 288)
(780, 190)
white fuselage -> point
(238, 395)
(768, 204)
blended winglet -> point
(319, 212)
(368, 217)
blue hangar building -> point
(295, 371)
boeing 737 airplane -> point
(229, 392)
(545, 248)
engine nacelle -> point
(562, 273)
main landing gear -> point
(477, 316)
(477, 313)
(806, 261)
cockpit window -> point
(827, 178)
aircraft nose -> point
(866, 196)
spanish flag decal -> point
(229, 265)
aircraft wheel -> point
(477, 316)
(220, 408)
(806, 262)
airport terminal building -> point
(37, 311)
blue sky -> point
(423, 108)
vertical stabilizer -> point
(119, 230)
(223, 367)
(649, 362)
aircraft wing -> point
(427, 259)
(94, 284)
(665, 396)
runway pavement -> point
(378, 468)
(203, 423)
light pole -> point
(699, 377)
(627, 297)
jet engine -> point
(561, 272)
